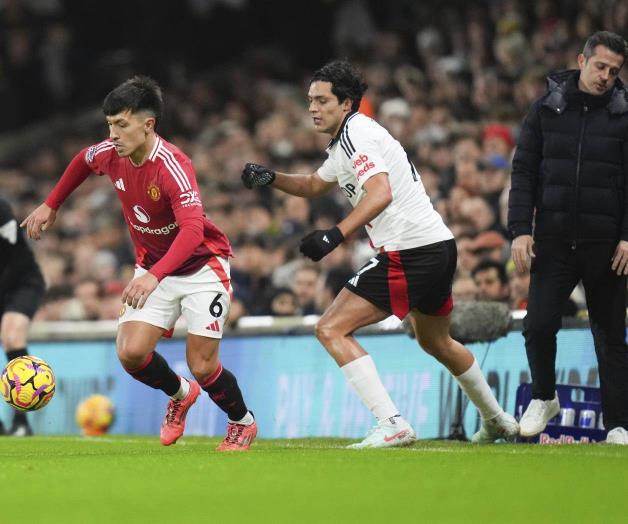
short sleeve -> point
(327, 171)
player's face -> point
(327, 112)
(129, 132)
(599, 71)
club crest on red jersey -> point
(153, 192)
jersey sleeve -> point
(73, 176)
(327, 171)
(97, 157)
(364, 153)
(182, 189)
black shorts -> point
(419, 278)
(24, 298)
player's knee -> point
(131, 353)
(434, 346)
(325, 330)
(202, 370)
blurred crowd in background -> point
(450, 80)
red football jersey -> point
(160, 200)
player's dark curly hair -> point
(345, 81)
(140, 93)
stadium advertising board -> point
(294, 388)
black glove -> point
(254, 175)
(320, 243)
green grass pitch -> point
(129, 479)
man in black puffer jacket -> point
(568, 211)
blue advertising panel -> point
(294, 388)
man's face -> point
(490, 286)
(129, 131)
(599, 71)
(327, 112)
(304, 287)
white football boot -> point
(538, 414)
(503, 426)
(392, 432)
(617, 436)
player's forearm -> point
(187, 240)
(298, 185)
(73, 176)
(368, 208)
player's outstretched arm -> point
(41, 219)
(45, 215)
(307, 186)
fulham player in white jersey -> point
(182, 259)
(412, 271)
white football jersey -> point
(363, 148)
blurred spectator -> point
(305, 287)
(89, 293)
(464, 289)
(491, 280)
(283, 303)
(331, 285)
(489, 245)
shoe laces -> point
(173, 409)
(234, 432)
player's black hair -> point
(140, 93)
(345, 81)
(486, 264)
(612, 41)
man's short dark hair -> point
(345, 81)
(140, 93)
(486, 264)
(612, 41)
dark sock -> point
(156, 373)
(222, 387)
(14, 353)
(19, 418)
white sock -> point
(246, 420)
(183, 390)
(474, 385)
(363, 376)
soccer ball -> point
(27, 383)
(95, 415)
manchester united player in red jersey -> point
(182, 259)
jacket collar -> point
(560, 84)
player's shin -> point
(222, 387)
(19, 417)
(362, 375)
(474, 385)
(156, 373)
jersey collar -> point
(342, 126)
(153, 153)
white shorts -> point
(203, 298)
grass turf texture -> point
(134, 479)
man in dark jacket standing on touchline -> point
(568, 214)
